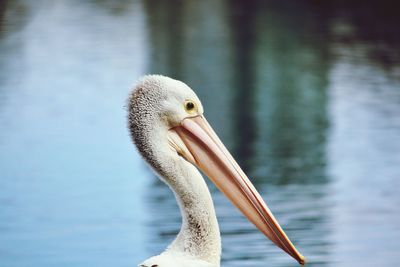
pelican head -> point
(171, 133)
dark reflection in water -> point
(242, 20)
(305, 94)
(292, 69)
(167, 19)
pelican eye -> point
(190, 107)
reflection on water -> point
(306, 96)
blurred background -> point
(305, 94)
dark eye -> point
(190, 107)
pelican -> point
(169, 129)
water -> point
(306, 96)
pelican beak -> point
(196, 141)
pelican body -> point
(169, 129)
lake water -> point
(306, 95)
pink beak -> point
(196, 141)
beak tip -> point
(302, 260)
